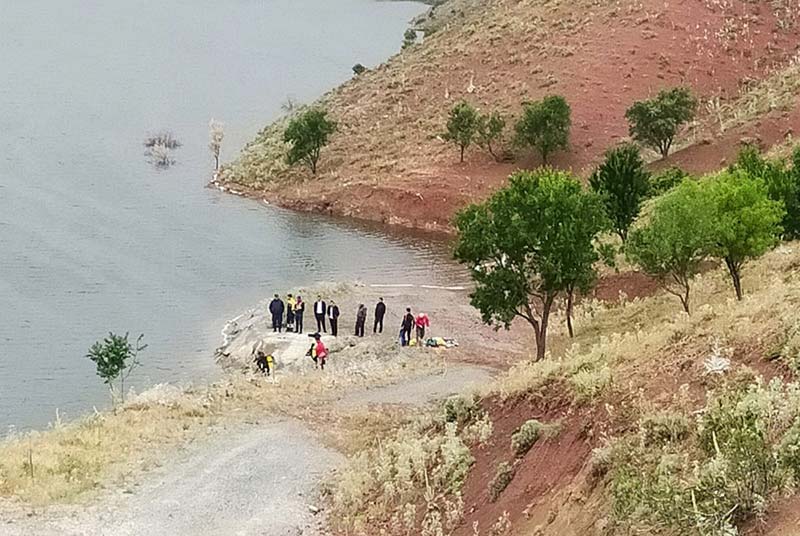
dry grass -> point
(106, 448)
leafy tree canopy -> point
(544, 125)
(529, 242)
(462, 126)
(655, 122)
(624, 183)
(308, 133)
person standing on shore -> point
(422, 321)
(406, 326)
(276, 310)
(320, 352)
(380, 312)
(299, 309)
(361, 320)
(290, 302)
(333, 318)
(320, 308)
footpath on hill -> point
(254, 479)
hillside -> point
(646, 423)
(387, 162)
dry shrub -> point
(502, 478)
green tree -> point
(115, 357)
(623, 183)
(745, 222)
(490, 132)
(409, 38)
(307, 134)
(529, 243)
(783, 183)
(462, 126)
(544, 125)
(655, 122)
(675, 240)
(666, 180)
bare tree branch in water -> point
(216, 134)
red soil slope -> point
(387, 163)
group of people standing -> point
(327, 315)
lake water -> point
(93, 238)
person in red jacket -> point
(422, 321)
(321, 352)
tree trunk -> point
(736, 277)
(462, 154)
(685, 299)
(216, 162)
(570, 295)
(541, 340)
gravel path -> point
(257, 480)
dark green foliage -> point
(459, 409)
(783, 183)
(308, 133)
(462, 126)
(745, 222)
(490, 132)
(409, 38)
(530, 242)
(526, 436)
(115, 358)
(501, 480)
(655, 122)
(675, 240)
(544, 125)
(359, 69)
(666, 180)
(623, 183)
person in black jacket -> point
(380, 312)
(361, 320)
(320, 308)
(406, 326)
(333, 318)
(276, 309)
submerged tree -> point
(307, 134)
(115, 358)
(216, 134)
(529, 243)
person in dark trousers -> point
(276, 310)
(299, 309)
(380, 312)
(333, 318)
(263, 361)
(407, 325)
(320, 308)
(361, 320)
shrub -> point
(459, 409)
(526, 435)
(544, 125)
(359, 69)
(655, 122)
(462, 126)
(409, 38)
(664, 427)
(116, 358)
(666, 180)
(307, 134)
(502, 478)
(623, 183)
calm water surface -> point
(94, 239)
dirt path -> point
(255, 480)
